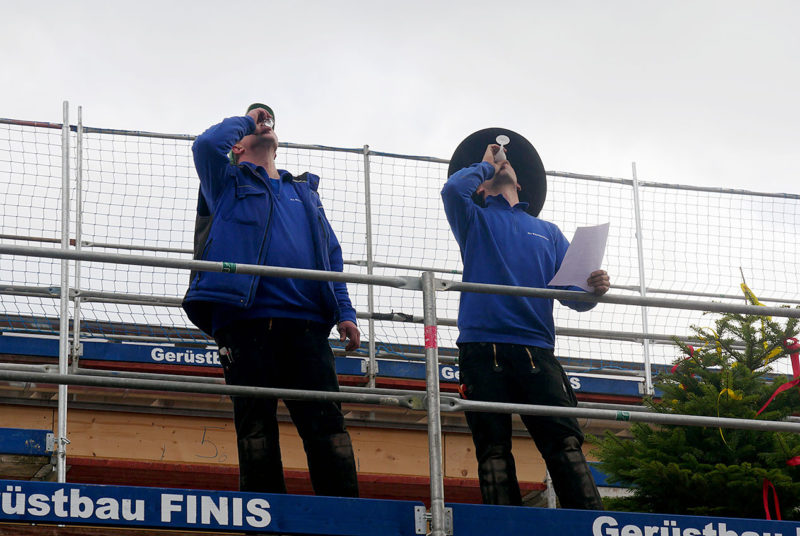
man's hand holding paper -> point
(581, 264)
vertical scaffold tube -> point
(63, 339)
(432, 398)
(76, 314)
(371, 372)
(648, 375)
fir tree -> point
(713, 471)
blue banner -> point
(26, 442)
(48, 502)
(472, 519)
(140, 353)
(205, 357)
(71, 504)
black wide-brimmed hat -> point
(519, 151)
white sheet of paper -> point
(584, 256)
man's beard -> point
(503, 178)
(261, 143)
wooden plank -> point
(387, 451)
(212, 441)
(461, 462)
(135, 436)
(34, 417)
(205, 440)
(19, 467)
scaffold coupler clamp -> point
(422, 520)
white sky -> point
(696, 92)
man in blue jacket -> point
(506, 342)
(271, 331)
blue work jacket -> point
(504, 245)
(234, 210)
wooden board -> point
(206, 440)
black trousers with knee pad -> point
(513, 373)
(290, 354)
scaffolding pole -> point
(63, 331)
(372, 363)
(76, 347)
(433, 406)
(401, 282)
(648, 373)
(408, 400)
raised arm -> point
(457, 193)
(211, 149)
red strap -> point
(675, 366)
(779, 390)
(430, 337)
(793, 346)
(765, 488)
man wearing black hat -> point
(506, 342)
(271, 331)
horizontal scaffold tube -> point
(209, 266)
(409, 400)
(652, 417)
(208, 388)
(667, 303)
(408, 283)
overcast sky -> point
(696, 92)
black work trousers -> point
(513, 373)
(290, 354)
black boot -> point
(497, 475)
(332, 465)
(260, 467)
(572, 479)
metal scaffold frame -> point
(432, 402)
(428, 282)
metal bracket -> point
(448, 521)
(75, 354)
(422, 519)
(50, 442)
(365, 366)
(76, 350)
(415, 283)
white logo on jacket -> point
(537, 234)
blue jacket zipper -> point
(262, 249)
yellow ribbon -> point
(716, 341)
(751, 297)
(732, 395)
